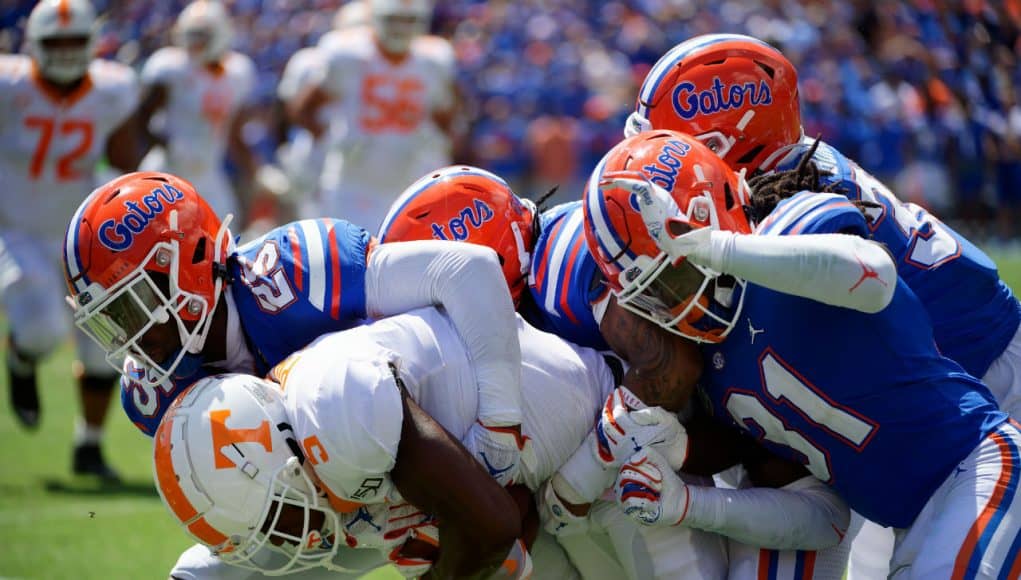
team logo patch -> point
(718, 361)
(689, 101)
(118, 235)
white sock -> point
(85, 434)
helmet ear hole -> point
(752, 153)
(728, 196)
(200, 251)
(767, 69)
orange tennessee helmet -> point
(736, 93)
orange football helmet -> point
(467, 204)
(685, 298)
(127, 231)
(736, 93)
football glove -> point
(650, 491)
(503, 451)
(626, 426)
(660, 213)
(408, 536)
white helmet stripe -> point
(608, 240)
(74, 266)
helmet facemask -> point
(117, 318)
(64, 59)
(296, 522)
(687, 299)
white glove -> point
(650, 491)
(556, 519)
(503, 451)
(626, 426)
(661, 213)
(393, 527)
(636, 124)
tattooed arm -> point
(664, 367)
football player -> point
(558, 287)
(394, 89)
(381, 387)
(153, 275)
(202, 87)
(303, 155)
(740, 96)
(61, 111)
(811, 343)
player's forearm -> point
(467, 281)
(804, 515)
(461, 556)
(835, 269)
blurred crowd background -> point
(923, 93)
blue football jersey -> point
(565, 280)
(974, 314)
(865, 401)
(290, 286)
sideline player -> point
(785, 322)
(202, 87)
(61, 111)
(393, 86)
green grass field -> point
(53, 525)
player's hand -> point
(503, 451)
(407, 535)
(626, 426)
(678, 234)
(650, 491)
(556, 517)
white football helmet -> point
(204, 30)
(351, 15)
(228, 467)
(57, 19)
(398, 22)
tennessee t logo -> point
(224, 436)
(866, 273)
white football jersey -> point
(50, 145)
(201, 102)
(347, 417)
(385, 137)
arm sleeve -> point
(467, 281)
(836, 269)
(803, 515)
